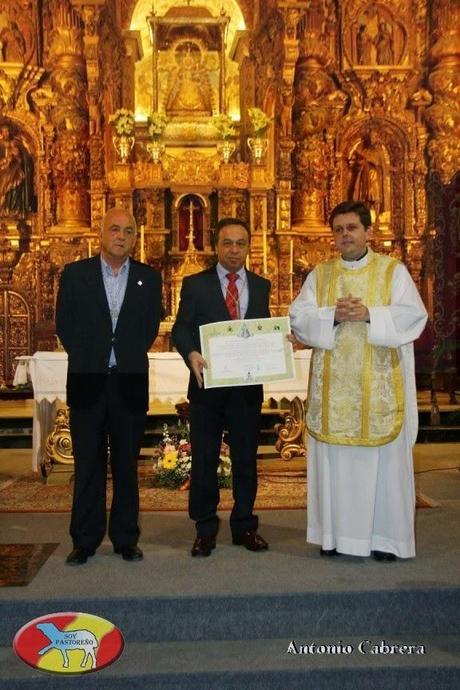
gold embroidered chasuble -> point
(355, 394)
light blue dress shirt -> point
(115, 289)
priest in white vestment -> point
(360, 313)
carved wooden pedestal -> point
(57, 466)
(291, 434)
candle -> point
(89, 248)
(264, 249)
(247, 262)
(291, 266)
(142, 243)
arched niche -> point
(167, 64)
(191, 209)
(15, 332)
(381, 150)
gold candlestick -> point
(142, 243)
(264, 250)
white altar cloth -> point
(168, 381)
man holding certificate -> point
(224, 292)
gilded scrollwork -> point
(194, 168)
(364, 99)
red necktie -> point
(231, 298)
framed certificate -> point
(246, 352)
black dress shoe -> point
(251, 540)
(383, 556)
(328, 552)
(129, 553)
(202, 546)
(79, 555)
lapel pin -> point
(139, 282)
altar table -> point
(168, 381)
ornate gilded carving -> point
(443, 116)
(355, 113)
(15, 331)
(193, 169)
(375, 34)
(370, 173)
(58, 456)
(291, 433)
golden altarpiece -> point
(363, 101)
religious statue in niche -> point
(363, 46)
(17, 32)
(286, 113)
(369, 173)
(12, 43)
(189, 90)
(16, 175)
(383, 42)
(376, 37)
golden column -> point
(443, 116)
(91, 14)
(70, 158)
(317, 105)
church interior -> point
(185, 112)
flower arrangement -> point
(224, 125)
(156, 124)
(122, 121)
(259, 121)
(174, 460)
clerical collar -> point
(357, 263)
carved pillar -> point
(91, 12)
(260, 242)
(317, 105)
(443, 116)
(70, 117)
(134, 52)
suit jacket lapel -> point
(217, 295)
(97, 285)
(131, 294)
(252, 295)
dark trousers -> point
(107, 421)
(230, 410)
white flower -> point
(123, 121)
(224, 125)
(259, 121)
(156, 124)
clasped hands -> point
(350, 309)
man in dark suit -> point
(107, 316)
(222, 292)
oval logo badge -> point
(69, 643)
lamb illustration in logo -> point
(67, 640)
